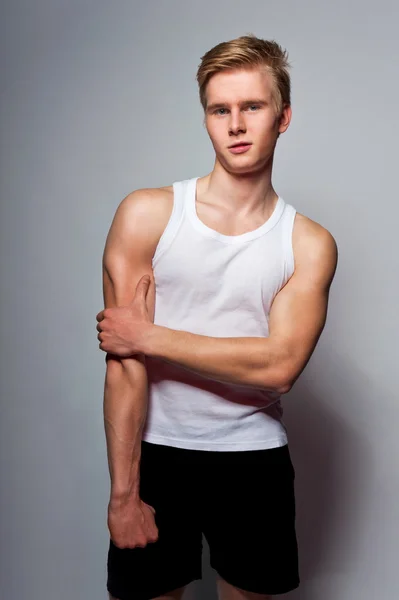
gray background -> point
(100, 98)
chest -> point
(209, 273)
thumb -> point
(143, 285)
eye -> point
(217, 111)
(254, 106)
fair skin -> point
(237, 196)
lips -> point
(240, 144)
(240, 148)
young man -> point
(200, 351)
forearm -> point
(125, 410)
(250, 361)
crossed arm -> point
(296, 321)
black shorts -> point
(244, 504)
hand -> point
(131, 523)
(123, 329)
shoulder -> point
(148, 208)
(147, 200)
(140, 219)
(315, 249)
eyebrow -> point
(215, 105)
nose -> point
(236, 123)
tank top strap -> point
(175, 219)
(287, 224)
(179, 197)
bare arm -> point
(127, 257)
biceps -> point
(296, 322)
(119, 286)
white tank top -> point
(216, 285)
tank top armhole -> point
(289, 261)
(173, 224)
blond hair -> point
(248, 52)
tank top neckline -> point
(191, 194)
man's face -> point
(240, 107)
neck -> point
(244, 194)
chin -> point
(243, 170)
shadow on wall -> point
(332, 468)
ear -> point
(285, 118)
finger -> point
(100, 316)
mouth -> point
(240, 144)
(240, 147)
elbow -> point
(282, 382)
(284, 388)
(273, 382)
(288, 371)
(287, 379)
